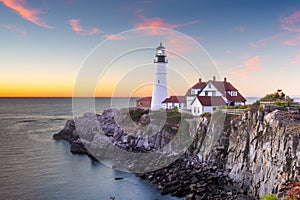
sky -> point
(47, 45)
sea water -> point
(34, 166)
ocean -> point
(36, 167)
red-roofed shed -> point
(144, 103)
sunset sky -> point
(44, 44)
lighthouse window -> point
(158, 81)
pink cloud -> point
(177, 43)
(293, 40)
(296, 59)
(291, 24)
(16, 29)
(240, 29)
(75, 25)
(29, 14)
(292, 19)
(155, 22)
(290, 28)
(251, 65)
(114, 37)
(264, 41)
(159, 22)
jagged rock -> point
(78, 147)
(144, 120)
(67, 133)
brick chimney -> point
(225, 79)
(200, 80)
(214, 78)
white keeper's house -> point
(207, 96)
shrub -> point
(269, 197)
(281, 103)
(206, 114)
(278, 100)
(175, 109)
(136, 114)
(242, 107)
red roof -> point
(145, 99)
(211, 100)
(239, 97)
(200, 85)
(175, 99)
(224, 86)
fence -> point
(233, 111)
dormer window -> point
(232, 93)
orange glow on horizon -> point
(28, 90)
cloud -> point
(20, 31)
(250, 66)
(264, 41)
(292, 41)
(291, 19)
(29, 14)
(189, 23)
(157, 22)
(291, 24)
(178, 44)
(296, 59)
(75, 25)
(240, 29)
(290, 35)
(114, 37)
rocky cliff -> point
(259, 150)
(230, 157)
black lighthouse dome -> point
(160, 54)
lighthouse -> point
(160, 87)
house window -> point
(194, 109)
(158, 81)
(213, 93)
(232, 93)
(214, 108)
(206, 93)
(209, 85)
(198, 110)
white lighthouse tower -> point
(160, 87)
